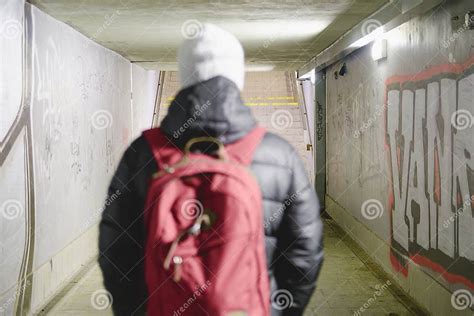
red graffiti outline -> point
(397, 265)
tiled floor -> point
(346, 286)
(85, 297)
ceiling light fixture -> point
(379, 49)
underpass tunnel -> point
(375, 97)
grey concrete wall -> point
(13, 148)
(320, 135)
(144, 86)
(400, 145)
(81, 122)
(66, 119)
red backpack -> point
(205, 249)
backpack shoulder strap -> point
(164, 151)
(243, 150)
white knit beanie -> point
(211, 52)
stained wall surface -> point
(144, 85)
(66, 118)
(81, 119)
(13, 149)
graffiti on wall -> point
(59, 142)
(430, 149)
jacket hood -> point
(210, 108)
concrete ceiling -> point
(276, 35)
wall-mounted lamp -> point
(379, 49)
(341, 72)
(372, 36)
(311, 75)
(469, 20)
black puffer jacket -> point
(293, 227)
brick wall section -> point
(272, 97)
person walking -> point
(209, 107)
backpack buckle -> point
(195, 229)
(221, 152)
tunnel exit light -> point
(379, 49)
(372, 36)
(311, 75)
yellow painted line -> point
(255, 98)
(271, 104)
(272, 98)
(281, 98)
(171, 98)
(254, 104)
(286, 103)
(257, 104)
